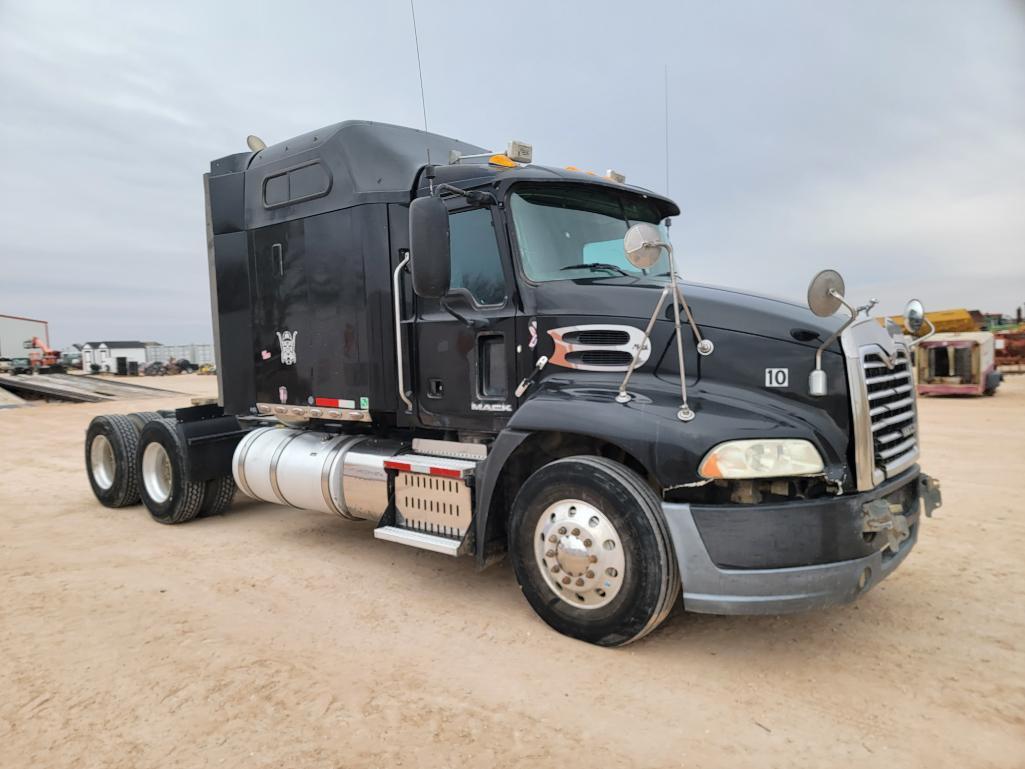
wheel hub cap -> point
(573, 556)
(101, 458)
(580, 554)
(156, 472)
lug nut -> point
(562, 529)
(576, 532)
(587, 543)
(553, 538)
(565, 580)
(593, 559)
(555, 569)
(590, 574)
(580, 583)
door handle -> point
(276, 253)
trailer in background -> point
(958, 364)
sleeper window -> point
(476, 263)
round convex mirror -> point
(643, 244)
(914, 316)
(820, 296)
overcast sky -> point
(884, 139)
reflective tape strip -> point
(425, 469)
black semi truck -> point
(487, 357)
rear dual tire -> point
(591, 551)
(136, 456)
(111, 443)
(168, 496)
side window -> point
(476, 263)
(302, 183)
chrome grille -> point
(891, 410)
(883, 411)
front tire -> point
(168, 496)
(591, 551)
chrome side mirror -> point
(825, 293)
(914, 316)
(643, 244)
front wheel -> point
(591, 551)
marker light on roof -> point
(520, 152)
(615, 176)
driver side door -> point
(466, 369)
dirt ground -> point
(271, 637)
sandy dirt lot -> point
(275, 638)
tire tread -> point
(218, 496)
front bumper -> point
(712, 589)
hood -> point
(712, 306)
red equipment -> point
(40, 354)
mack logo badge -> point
(777, 377)
(490, 407)
(286, 339)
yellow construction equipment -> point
(945, 320)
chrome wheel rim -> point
(579, 553)
(102, 462)
(156, 472)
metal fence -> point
(194, 353)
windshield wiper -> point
(596, 267)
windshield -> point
(572, 231)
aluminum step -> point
(432, 542)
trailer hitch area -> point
(929, 490)
(880, 516)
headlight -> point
(766, 458)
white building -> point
(15, 331)
(105, 354)
(193, 353)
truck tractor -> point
(490, 358)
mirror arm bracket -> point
(473, 323)
(477, 197)
(918, 340)
(816, 379)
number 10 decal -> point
(777, 377)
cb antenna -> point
(423, 99)
(666, 105)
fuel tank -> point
(339, 474)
